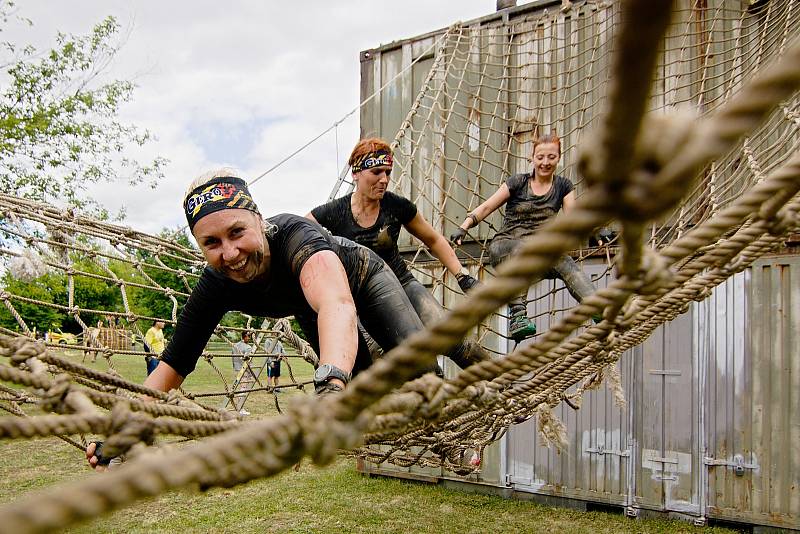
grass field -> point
(332, 499)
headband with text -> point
(372, 159)
(218, 194)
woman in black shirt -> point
(531, 199)
(373, 217)
(276, 267)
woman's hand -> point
(95, 457)
(457, 237)
(466, 282)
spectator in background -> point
(154, 345)
(241, 348)
(274, 349)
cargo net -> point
(60, 266)
(696, 195)
(493, 89)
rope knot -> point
(21, 349)
(323, 434)
(54, 399)
(482, 395)
(127, 429)
(654, 272)
(639, 197)
(174, 397)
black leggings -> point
(578, 283)
(466, 352)
(384, 311)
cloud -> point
(243, 84)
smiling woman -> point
(276, 267)
(373, 217)
(531, 199)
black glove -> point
(457, 236)
(98, 453)
(327, 388)
(603, 236)
(466, 282)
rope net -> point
(696, 166)
(493, 88)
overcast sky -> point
(243, 83)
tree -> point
(155, 302)
(44, 289)
(89, 293)
(59, 130)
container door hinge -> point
(737, 464)
(664, 461)
(666, 372)
(601, 451)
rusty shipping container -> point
(710, 429)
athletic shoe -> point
(521, 328)
(244, 412)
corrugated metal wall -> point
(752, 394)
(595, 464)
(710, 428)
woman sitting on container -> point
(531, 199)
(373, 217)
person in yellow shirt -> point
(154, 344)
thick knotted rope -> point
(438, 414)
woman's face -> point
(233, 243)
(545, 159)
(373, 182)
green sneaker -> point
(521, 328)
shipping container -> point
(710, 429)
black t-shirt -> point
(395, 211)
(292, 240)
(525, 212)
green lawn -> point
(333, 499)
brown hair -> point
(365, 146)
(552, 137)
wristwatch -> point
(462, 273)
(326, 372)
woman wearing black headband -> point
(373, 217)
(276, 267)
